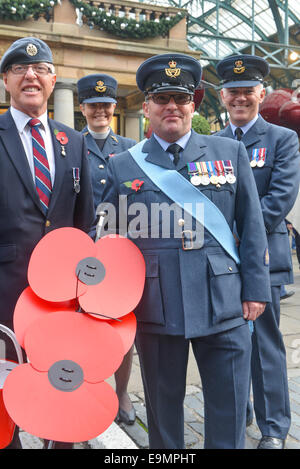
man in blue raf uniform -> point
(274, 158)
(42, 187)
(97, 96)
(198, 292)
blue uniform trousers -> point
(269, 375)
(223, 361)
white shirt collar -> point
(21, 119)
(182, 141)
(246, 127)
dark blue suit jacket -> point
(22, 222)
(197, 292)
(277, 184)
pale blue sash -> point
(184, 194)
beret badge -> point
(31, 50)
(173, 71)
(239, 68)
(100, 88)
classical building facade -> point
(80, 48)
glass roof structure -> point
(269, 28)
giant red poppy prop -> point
(61, 394)
(107, 277)
(68, 353)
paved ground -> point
(135, 437)
(194, 416)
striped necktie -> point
(41, 165)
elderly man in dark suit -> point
(199, 290)
(44, 174)
(274, 157)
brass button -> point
(48, 223)
(103, 181)
(230, 268)
(101, 166)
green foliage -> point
(200, 125)
(125, 27)
(20, 10)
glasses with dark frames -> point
(180, 98)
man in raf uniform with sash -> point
(274, 158)
(198, 292)
(97, 95)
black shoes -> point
(287, 295)
(126, 417)
(268, 442)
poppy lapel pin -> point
(62, 138)
(135, 185)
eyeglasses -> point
(38, 69)
(180, 98)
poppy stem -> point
(98, 314)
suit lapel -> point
(227, 132)
(111, 144)
(60, 165)
(194, 150)
(91, 144)
(15, 151)
(255, 133)
(156, 154)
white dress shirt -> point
(21, 121)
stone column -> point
(64, 101)
(134, 125)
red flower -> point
(107, 277)
(42, 410)
(31, 308)
(63, 396)
(62, 138)
(137, 184)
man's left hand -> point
(253, 309)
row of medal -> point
(258, 157)
(211, 172)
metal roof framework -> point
(269, 28)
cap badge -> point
(31, 50)
(172, 72)
(239, 68)
(101, 88)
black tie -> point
(239, 133)
(174, 149)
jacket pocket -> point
(225, 288)
(150, 308)
(279, 249)
(8, 252)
